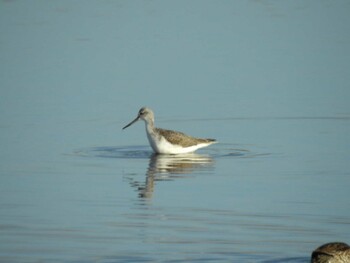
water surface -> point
(268, 80)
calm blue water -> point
(269, 80)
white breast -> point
(160, 145)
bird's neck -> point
(150, 126)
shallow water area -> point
(145, 152)
(267, 79)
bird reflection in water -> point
(164, 167)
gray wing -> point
(179, 138)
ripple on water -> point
(119, 152)
(220, 150)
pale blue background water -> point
(268, 79)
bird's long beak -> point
(131, 123)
